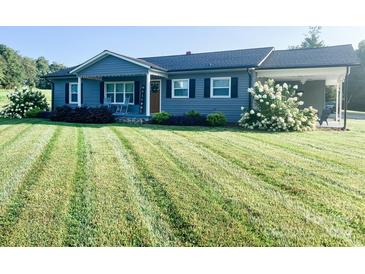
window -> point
(116, 92)
(73, 93)
(220, 87)
(180, 88)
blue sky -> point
(73, 45)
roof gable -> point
(107, 53)
(111, 66)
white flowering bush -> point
(22, 102)
(277, 108)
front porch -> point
(129, 87)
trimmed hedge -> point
(90, 115)
(191, 118)
(216, 119)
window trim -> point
(212, 88)
(124, 93)
(173, 89)
(70, 93)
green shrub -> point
(193, 113)
(277, 108)
(33, 113)
(216, 119)
(160, 118)
(93, 115)
(23, 101)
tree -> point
(42, 69)
(30, 71)
(55, 67)
(13, 73)
(356, 87)
(311, 40)
(2, 69)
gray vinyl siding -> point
(112, 66)
(231, 107)
(59, 90)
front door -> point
(155, 96)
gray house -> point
(205, 82)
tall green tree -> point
(2, 69)
(30, 71)
(13, 72)
(312, 39)
(357, 82)
(42, 69)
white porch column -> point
(79, 91)
(148, 97)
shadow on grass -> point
(229, 128)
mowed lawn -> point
(118, 185)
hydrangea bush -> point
(277, 108)
(21, 102)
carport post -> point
(345, 93)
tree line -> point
(17, 70)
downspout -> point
(249, 85)
(345, 92)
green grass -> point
(115, 185)
(4, 93)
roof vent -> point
(188, 52)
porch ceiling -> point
(332, 75)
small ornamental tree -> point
(22, 102)
(277, 108)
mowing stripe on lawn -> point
(329, 176)
(160, 232)
(276, 176)
(17, 159)
(42, 221)
(12, 135)
(183, 230)
(240, 218)
(315, 166)
(80, 228)
(14, 208)
(301, 151)
(291, 206)
(117, 217)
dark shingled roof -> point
(62, 73)
(243, 58)
(246, 58)
(314, 57)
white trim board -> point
(173, 89)
(330, 74)
(212, 88)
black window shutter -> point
(102, 92)
(192, 88)
(168, 88)
(67, 93)
(207, 87)
(234, 87)
(82, 93)
(52, 98)
(136, 92)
